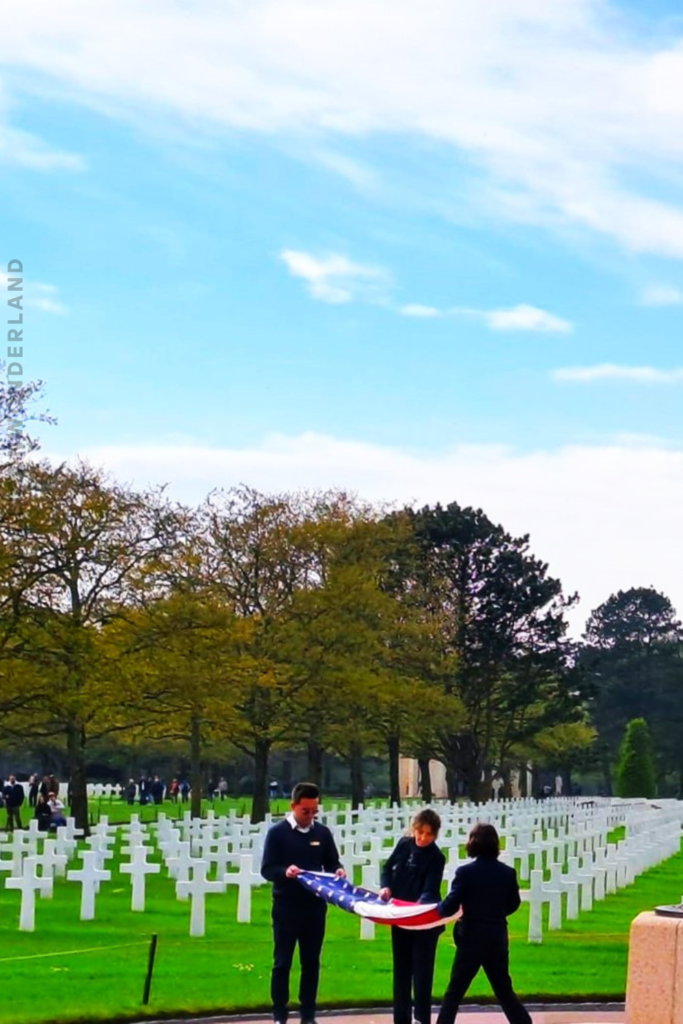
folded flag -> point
(343, 893)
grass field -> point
(69, 970)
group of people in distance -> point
(43, 801)
(483, 894)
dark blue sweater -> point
(414, 872)
(311, 851)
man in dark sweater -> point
(14, 798)
(299, 843)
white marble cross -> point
(50, 863)
(179, 866)
(196, 889)
(18, 849)
(99, 845)
(65, 844)
(245, 879)
(90, 876)
(27, 884)
(138, 868)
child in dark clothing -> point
(414, 872)
(487, 892)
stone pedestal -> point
(654, 990)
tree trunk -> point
(452, 783)
(196, 766)
(425, 777)
(478, 785)
(259, 804)
(607, 772)
(567, 784)
(75, 741)
(393, 745)
(356, 764)
(315, 763)
(523, 780)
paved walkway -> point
(588, 1013)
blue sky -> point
(426, 252)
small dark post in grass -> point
(150, 969)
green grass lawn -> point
(228, 970)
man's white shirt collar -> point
(295, 824)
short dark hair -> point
(483, 841)
(428, 818)
(305, 791)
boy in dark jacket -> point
(488, 893)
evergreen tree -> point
(636, 775)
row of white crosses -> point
(578, 840)
(539, 837)
(190, 872)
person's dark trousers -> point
(13, 818)
(305, 926)
(414, 953)
(491, 953)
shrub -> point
(636, 774)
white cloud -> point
(568, 112)
(526, 318)
(662, 295)
(334, 278)
(31, 300)
(604, 517)
(352, 170)
(416, 310)
(26, 150)
(612, 371)
(48, 306)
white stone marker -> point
(179, 866)
(196, 889)
(368, 881)
(51, 861)
(138, 869)
(90, 877)
(244, 879)
(27, 885)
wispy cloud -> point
(603, 516)
(26, 150)
(48, 305)
(662, 295)
(567, 112)
(613, 371)
(36, 295)
(357, 173)
(526, 318)
(416, 310)
(517, 318)
(334, 278)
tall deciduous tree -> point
(181, 669)
(259, 563)
(16, 401)
(77, 551)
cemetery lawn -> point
(69, 970)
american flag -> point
(356, 900)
